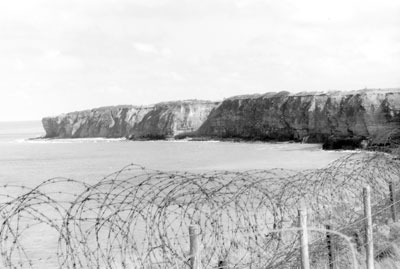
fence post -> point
(392, 202)
(330, 247)
(194, 247)
(368, 227)
(305, 263)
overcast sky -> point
(63, 55)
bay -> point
(29, 162)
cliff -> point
(339, 119)
(312, 117)
(159, 121)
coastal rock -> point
(347, 143)
(163, 120)
(337, 119)
(311, 117)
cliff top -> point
(247, 96)
(316, 93)
(117, 107)
(344, 93)
(180, 102)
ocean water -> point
(29, 162)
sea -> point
(25, 163)
(28, 161)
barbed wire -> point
(139, 218)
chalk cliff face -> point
(159, 121)
(311, 117)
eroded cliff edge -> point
(327, 117)
(311, 117)
(160, 121)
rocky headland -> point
(159, 121)
(337, 119)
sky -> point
(58, 56)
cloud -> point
(151, 49)
(156, 50)
(147, 48)
(176, 76)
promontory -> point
(281, 116)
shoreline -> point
(350, 148)
(183, 140)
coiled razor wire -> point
(139, 218)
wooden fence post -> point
(305, 263)
(368, 227)
(330, 247)
(392, 202)
(194, 247)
